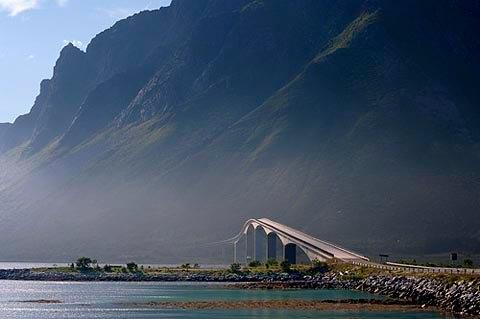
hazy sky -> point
(32, 33)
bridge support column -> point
(246, 249)
(290, 253)
(271, 246)
(235, 252)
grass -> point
(63, 270)
(349, 271)
(346, 272)
(344, 39)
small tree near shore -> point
(254, 264)
(84, 263)
(468, 263)
(318, 267)
(235, 268)
(132, 267)
(271, 262)
(285, 266)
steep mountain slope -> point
(348, 120)
(4, 128)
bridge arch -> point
(249, 243)
(260, 240)
(275, 246)
(258, 247)
(291, 253)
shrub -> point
(254, 264)
(318, 267)
(272, 263)
(235, 268)
(132, 267)
(285, 266)
(84, 263)
(468, 263)
(107, 268)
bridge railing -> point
(416, 268)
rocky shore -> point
(459, 297)
(33, 275)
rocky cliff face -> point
(348, 120)
(4, 127)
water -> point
(107, 301)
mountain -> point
(355, 121)
(4, 127)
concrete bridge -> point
(266, 239)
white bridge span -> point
(267, 233)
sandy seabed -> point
(312, 305)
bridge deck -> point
(335, 250)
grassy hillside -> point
(356, 122)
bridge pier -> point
(235, 252)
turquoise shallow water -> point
(104, 301)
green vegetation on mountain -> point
(356, 121)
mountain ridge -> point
(344, 122)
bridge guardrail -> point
(416, 268)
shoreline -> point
(455, 295)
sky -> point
(32, 33)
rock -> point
(460, 298)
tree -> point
(107, 268)
(186, 266)
(132, 267)
(285, 266)
(318, 267)
(235, 268)
(196, 266)
(272, 262)
(468, 263)
(72, 266)
(84, 263)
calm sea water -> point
(104, 301)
